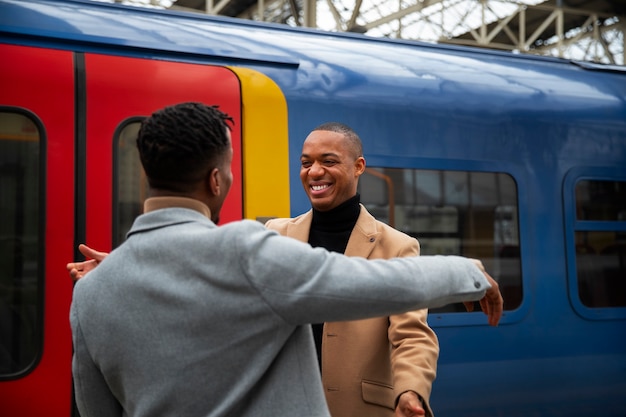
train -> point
(515, 159)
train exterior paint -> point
(517, 160)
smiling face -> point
(330, 169)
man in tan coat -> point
(380, 367)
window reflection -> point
(471, 214)
(20, 286)
(601, 254)
(131, 184)
(601, 200)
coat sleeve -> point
(311, 285)
(414, 347)
(93, 396)
(414, 354)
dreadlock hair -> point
(348, 133)
(180, 144)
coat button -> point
(477, 284)
(372, 239)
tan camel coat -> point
(367, 364)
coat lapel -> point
(300, 227)
(364, 237)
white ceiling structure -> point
(587, 30)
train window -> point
(471, 214)
(601, 200)
(601, 243)
(20, 287)
(132, 187)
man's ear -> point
(359, 166)
(213, 181)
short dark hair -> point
(348, 133)
(180, 144)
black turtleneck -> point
(331, 230)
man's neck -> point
(340, 218)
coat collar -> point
(166, 211)
(157, 203)
(363, 239)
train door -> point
(69, 173)
(36, 209)
(119, 91)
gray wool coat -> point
(186, 318)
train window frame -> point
(573, 225)
(516, 173)
(38, 316)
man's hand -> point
(492, 303)
(79, 269)
(409, 405)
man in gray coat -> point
(186, 318)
